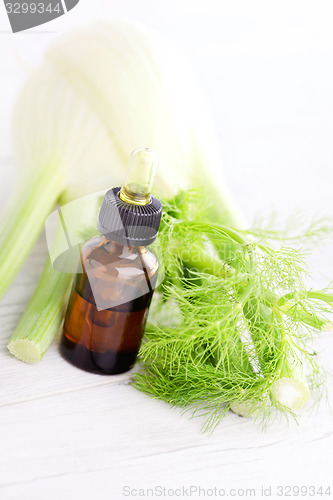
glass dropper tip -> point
(139, 179)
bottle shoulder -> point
(118, 259)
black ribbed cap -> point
(133, 225)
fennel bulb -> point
(100, 92)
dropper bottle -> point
(111, 295)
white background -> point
(267, 70)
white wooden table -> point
(68, 434)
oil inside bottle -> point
(102, 339)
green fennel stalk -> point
(24, 219)
(43, 316)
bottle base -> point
(102, 363)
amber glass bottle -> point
(108, 307)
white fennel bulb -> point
(100, 92)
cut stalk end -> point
(290, 392)
(25, 350)
(249, 409)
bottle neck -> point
(119, 248)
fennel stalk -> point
(43, 316)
